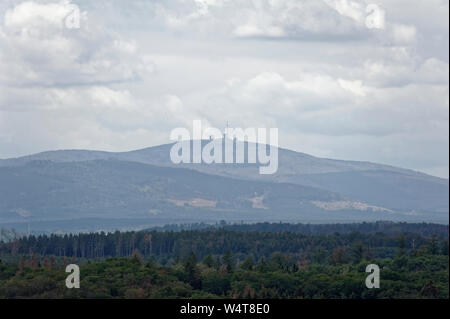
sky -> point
(354, 80)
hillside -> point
(376, 184)
(144, 186)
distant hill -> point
(119, 189)
(145, 184)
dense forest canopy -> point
(386, 227)
(232, 261)
(312, 242)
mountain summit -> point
(146, 187)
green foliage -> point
(418, 277)
(226, 264)
(248, 263)
(208, 261)
(315, 243)
(228, 261)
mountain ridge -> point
(338, 189)
(68, 155)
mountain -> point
(145, 186)
(381, 185)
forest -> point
(232, 261)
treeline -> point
(166, 246)
(385, 227)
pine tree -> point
(208, 261)
(433, 247)
(228, 261)
(248, 263)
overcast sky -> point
(334, 85)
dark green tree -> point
(248, 263)
(208, 261)
(357, 252)
(192, 272)
(433, 247)
(228, 261)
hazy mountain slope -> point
(119, 189)
(380, 185)
(290, 162)
(58, 156)
(384, 188)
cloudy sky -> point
(339, 78)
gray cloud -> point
(137, 69)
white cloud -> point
(351, 9)
(136, 70)
(403, 33)
(260, 18)
(37, 49)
